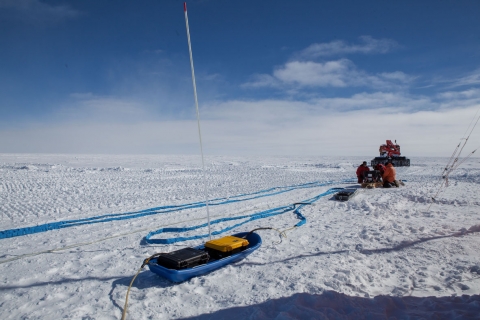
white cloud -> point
(332, 73)
(466, 94)
(353, 125)
(397, 75)
(293, 128)
(262, 80)
(339, 73)
(470, 80)
(97, 109)
(368, 45)
(387, 101)
(337, 126)
(175, 137)
(303, 72)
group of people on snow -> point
(387, 173)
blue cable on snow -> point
(252, 217)
(17, 232)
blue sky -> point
(322, 78)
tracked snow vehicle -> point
(390, 152)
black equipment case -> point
(183, 258)
(345, 194)
(372, 176)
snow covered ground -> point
(385, 253)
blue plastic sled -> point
(173, 275)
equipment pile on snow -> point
(372, 179)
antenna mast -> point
(198, 118)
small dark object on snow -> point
(345, 194)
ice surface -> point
(381, 254)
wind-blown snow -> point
(385, 253)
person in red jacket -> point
(380, 167)
(389, 176)
(360, 170)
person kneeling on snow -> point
(380, 167)
(360, 170)
(389, 176)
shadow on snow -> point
(334, 305)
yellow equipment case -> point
(225, 246)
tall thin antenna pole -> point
(198, 118)
(455, 164)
